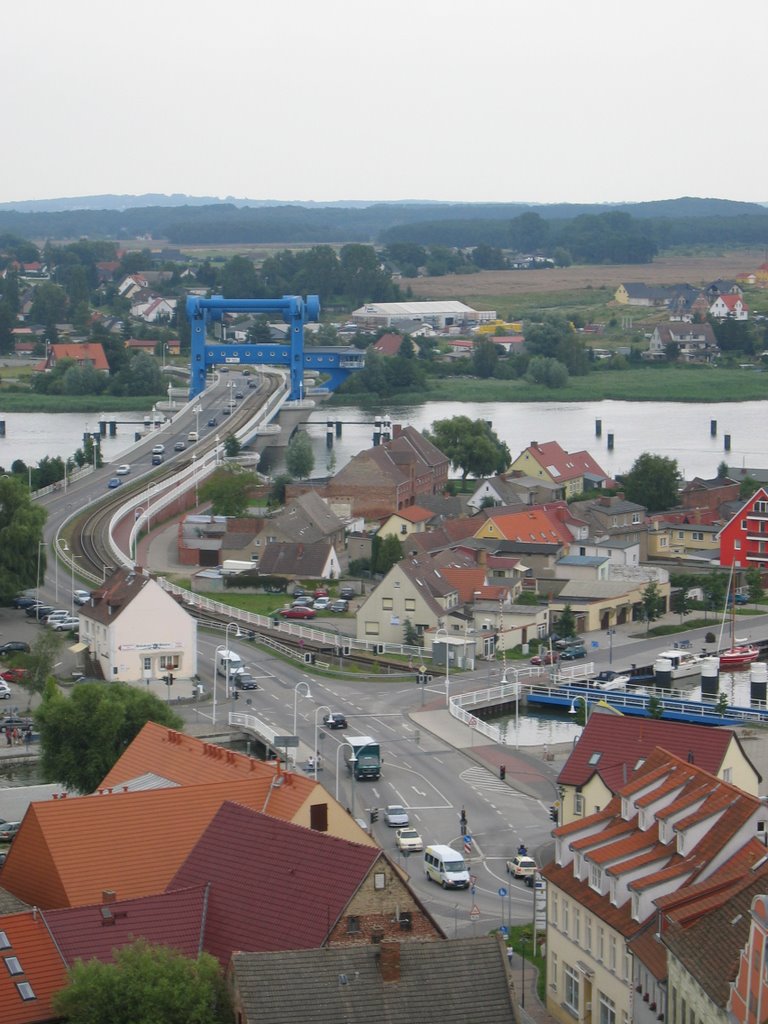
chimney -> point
(390, 961)
(108, 896)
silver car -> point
(396, 816)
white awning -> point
(77, 648)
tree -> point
(22, 557)
(484, 358)
(410, 634)
(238, 279)
(385, 552)
(715, 588)
(228, 491)
(299, 457)
(259, 331)
(42, 659)
(549, 372)
(655, 707)
(277, 490)
(232, 446)
(653, 481)
(49, 304)
(82, 736)
(565, 623)
(142, 376)
(652, 603)
(471, 445)
(143, 985)
(748, 487)
(681, 603)
(754, 580)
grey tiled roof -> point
(445, 982)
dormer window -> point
(595, 878)
(625, 808)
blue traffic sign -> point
(502, 929)
(595, 643)
(502, 891)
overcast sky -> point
(483, 100)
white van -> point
(442, 864)
(58, 613)
(192, 436)
(231, 659)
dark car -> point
(226, 412)
(302, 602)
(298, 613)
(239, 394)
(179, 446)
(40, 611)
(347, 593)
(23, 601)
(571, 653)
(114, 482)
(10, 646)
(567, 641)
(299, 592)
(213, 422)
(253, 384)
(335, 720)
(338, 606)
(245, 681)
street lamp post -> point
(338, 751)
(610, 646)
(198, 409)
(323, 707)
(308, 693)
(447, 663)
(137, 513)
(572, 710)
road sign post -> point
(467, 845)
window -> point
(25, 991)
(410, 604)
(737, 545)
(612, 953)
(553, 972)
(553, 909)
(372, 629)
(13, 965)
(566, 915)
(587, 934)
(386, 603)
(607, 1010)
(697, 535)
(626, 967)
(353, 925)
(635, 518)
(147, 662)
(600, 944)
(578, 804)
(577, 925)
(404, 529)
(379, 880)
(571, 979)
(4, 941)
(727, 774)
(662, 542)
(169, 661)
(595, 877)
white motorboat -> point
(676, 665)
(608, 680)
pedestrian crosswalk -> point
(480, 778)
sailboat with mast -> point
(741, 651)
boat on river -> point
(676, 665)
(609, 680)
(741, 651)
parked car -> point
(179, 446)
(15, 675)
(347, 593)
(520, 866)
(302, 602)
(547, 658)
(8, 831)
(571, 653)
(5, 691)
(321, 604)
(320, 592)
(65, 625)
(82, 596)
(299, 592)
(114, 481)
(567, 641)
(40, 611)
(123, 470)
(335, 720)
(14, 647)
(396, 816)
(23, 601)
(338, 606)
(298, 613)
(408, 840)
(738, 599)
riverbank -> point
(687, 384)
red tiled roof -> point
(561, 465)
(174, 919)
(42, 966)
(82, 352)
(413, 514)
(274, 885)
(68, 851)
(534, 525)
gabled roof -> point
(561, 465)
(183, 760)
(174, 919)
(535, 525)
(308, 518)
(82, 352)
(296, 559)
(612, 747)
(42, 969)
(69, 851)
(388, 344)
(434, 983)
(301, 881)
(411, 514)
(117, 593)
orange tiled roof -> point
(42, 969)
(69, 851)
(182, 759)
(535, 526)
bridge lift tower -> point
(206, 352)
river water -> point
(679, 431)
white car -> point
(123, 470)
(64, 625)
(396, 816)
(159, 449)
(81, 596)
(408, 840)
(5, 690)
(521, 866)
(321, 603)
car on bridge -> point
(213, 422)
(179, 446)
(123, 470)
(114, 481)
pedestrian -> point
(27, 736)
(317, 760)
(463, 821)
(9, 735)
(310, 764)
(16, 736)
(510, 954)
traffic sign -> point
(502, 891)
(474, 914)
(502, 929)
(285, 741)
(467, 844)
